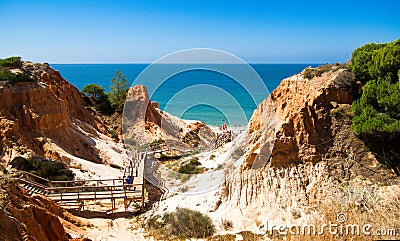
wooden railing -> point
(222, 138)
(78, 191)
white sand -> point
(201, 191)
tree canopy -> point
(93, 90)
(119, 89)
(377, 111)
(108, 103)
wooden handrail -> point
(91, 180)
(91, 187)
(35, 176)
(35, 184)
(112, 188)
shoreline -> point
(237, 129)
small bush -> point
(195, 161)
(192, 167)
(103, 105)
(13, 61)
(6, 75)
(156, 142)
(186, 223)
(184, 177)
(114, 134)
(310, 73)
(43, 167)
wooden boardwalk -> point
(74, 194)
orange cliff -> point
(299, 153)
(144, 122)
(48, 111)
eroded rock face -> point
(296, 119)
(46, 110)
(144, 123)
(22, 218)
(299, 148)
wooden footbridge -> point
(74, 194)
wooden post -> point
(112, 199)
(143, 187)
(124, 196)
(61, 195)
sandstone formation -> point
(298, 151)
(31, 218)
(144, 123)
(47, 112)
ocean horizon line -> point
(145, 63)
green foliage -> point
(192, 167)
(43, 167)
(310, 73)
(156, 142)
(195, 161)
(14, 61)
(114, 134)
(377, 112)
(182, 224)
(361, 60)
(119, 89)
(184, 177)
(6, 75)
(93, 90)
(103, 104)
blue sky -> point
(142, 31)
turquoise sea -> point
(196, 94)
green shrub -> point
(184, 177)
(156, 142)
(101, 99)
(184, 223)
(192, 167)
(103, 105)
(310, 73)
(13, 61)
(195, 161)
(43, 167)
(377, 111)
(6, 75)
(113, 133)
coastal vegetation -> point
(310, 73)
(184, 223)
(109, 102)
(119, 90)
(192, 167)
(6, 74)
(43, 167)
(377, 111)
(13, 62)
(101, 99)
